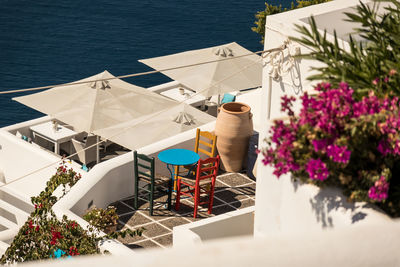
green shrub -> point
(43, 235)
(102, 218)
(271, 9)
(366, 64)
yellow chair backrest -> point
(206, 143)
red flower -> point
(30, 224)
(73, 251)
(55, 235)
(37, 228)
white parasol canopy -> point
(116, 110)
(154, 127)
(212, 78)
(96, 105)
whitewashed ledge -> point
(289, 207)
(363, 246)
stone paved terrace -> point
(233, 191)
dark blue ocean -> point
(47, 42)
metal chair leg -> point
(151, 195)
(136, 202)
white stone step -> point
(8, 196)
(12, 213)
(7, 223)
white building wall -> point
(281, 205)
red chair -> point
(206, 174)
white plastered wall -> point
(281, 205)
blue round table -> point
(177, 157)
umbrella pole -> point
(97, 150)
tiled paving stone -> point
(251, 185)
(184, 208)
(130, 202)
(154, 229)
(171, 223)
(162, 201)
(229, 195)
(163, 213)
(134, 219)
(165, 240)
(158, 203)
(247, 190)
(222, 209)
(234, 179)
(200, 215)
(243, 203)
(130, 239)
(216, 202)
(134, 246)
(247, 203)
(121, 208)
(143, 244)
(142, 205)
(220, 186)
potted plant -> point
(342, 142)
(103, 219)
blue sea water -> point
(47, 42)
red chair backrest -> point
(207, 168)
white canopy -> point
(116, 110)
(91, 106)
(212, 78)
(155, 127)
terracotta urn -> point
(233, 128)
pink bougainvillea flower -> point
(286, 104)
(338, 154)
(379, 191)
(320, 145)
(383, 147)
(317, 169)
(333, 132)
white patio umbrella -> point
(96, 105)
(154, 127)
(212, 78)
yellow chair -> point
(208, 146)
(206, 143)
